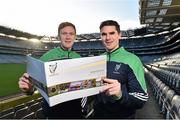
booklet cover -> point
(63, 80)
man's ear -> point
(75, 37)
(119, 35)
(58, 38)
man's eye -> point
(112, 33)
(72, 33)
(103, 34)
(64, 33)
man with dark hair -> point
(126, 88)
(69, 109)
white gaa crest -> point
(52, 67)
(117, 67)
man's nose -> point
(107, 36)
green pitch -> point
(9, 77)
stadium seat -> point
(30, 103)
(29, 116)
(158, 90)
(16, 108)
(174, 113)
(39, 99)
(39, 114)
(177, 85)
(160, 93)
(163, 97)
(34, 107)
(6, 111)
(22, 112)
(167, 104)
(9, 115)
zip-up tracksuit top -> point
(128, 70)
(69, 109)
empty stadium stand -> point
(29, 110)
(164, 78)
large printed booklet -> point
(63, 80)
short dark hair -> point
(65, 24)
(110, 23)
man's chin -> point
(108, 47)
(68, 47)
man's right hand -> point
(24, 83)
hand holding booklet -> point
(63, 80)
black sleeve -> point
(133, 95)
